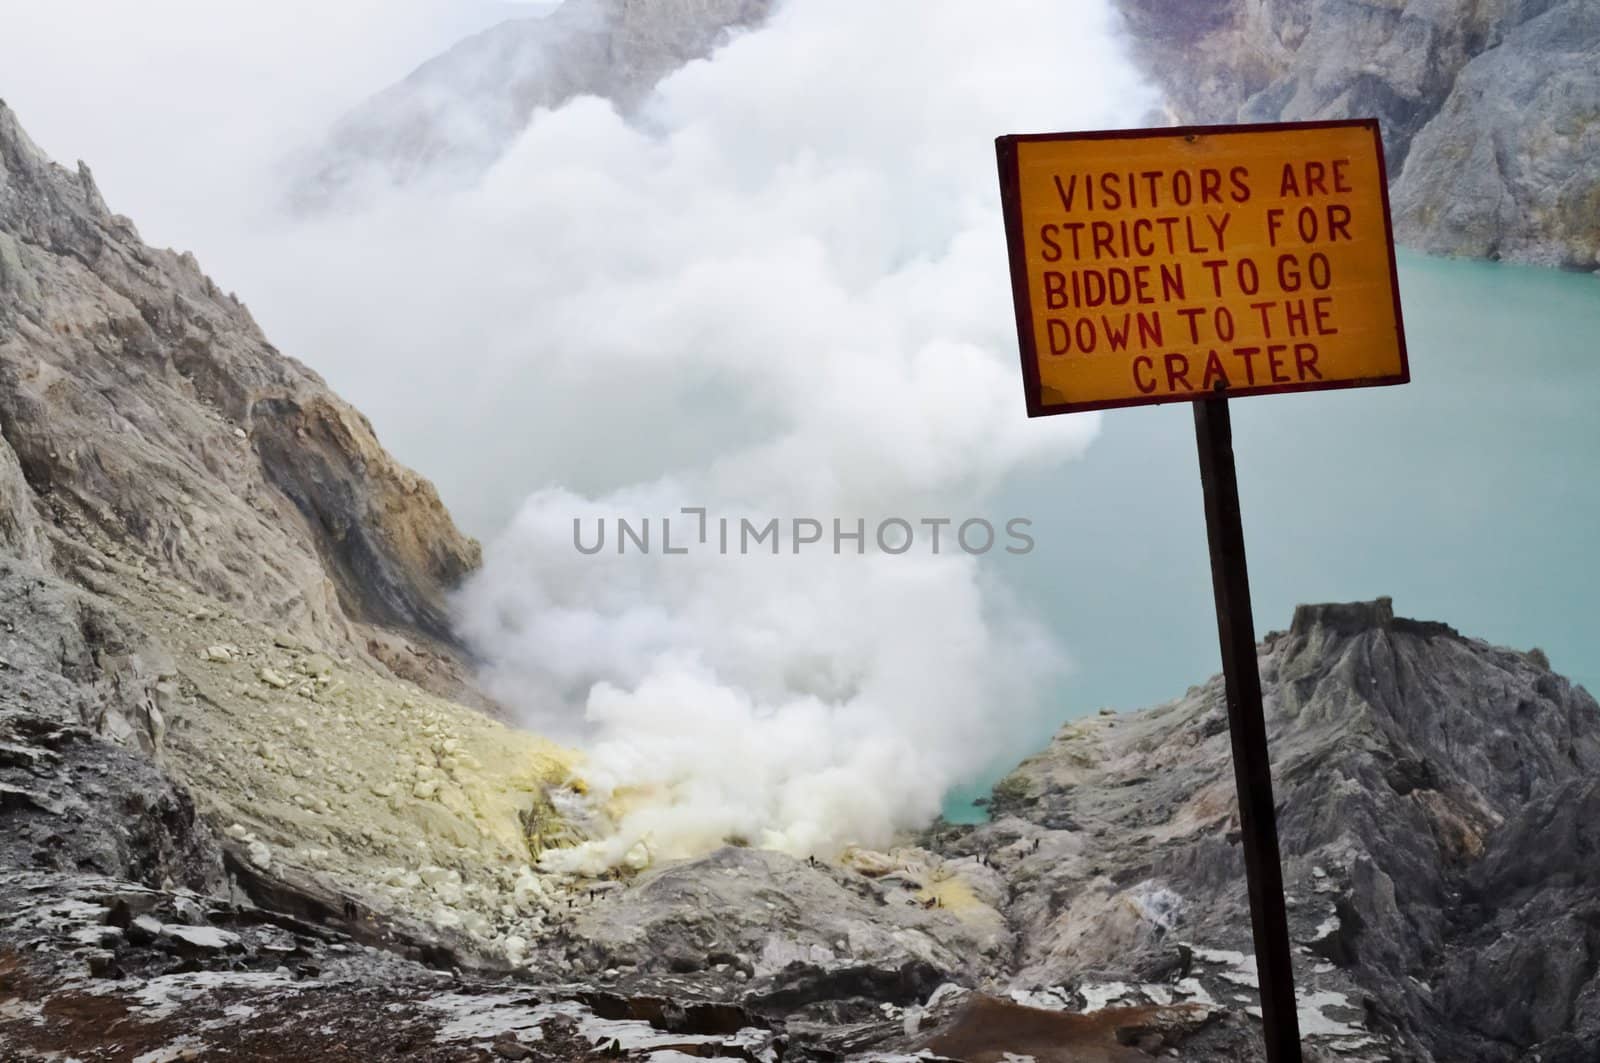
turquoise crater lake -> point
(1469, 495)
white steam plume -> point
(806, 231)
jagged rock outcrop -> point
(1487, 108)
(461, 109)
(1432, 793)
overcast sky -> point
(174, 103)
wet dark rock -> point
(801, 984)
(664, 1013)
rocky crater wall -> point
(1490, 108)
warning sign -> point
(1150, 265)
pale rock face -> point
(1487, 108)
(125, 375)
(761, 911)
(1510, 166)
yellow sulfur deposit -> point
(333, 772)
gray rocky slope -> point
(1488, 107)
(245, 814)
(461, 109)
(217, 591)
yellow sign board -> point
(1157, 265)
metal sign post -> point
(1247, 726)
(1191, 265)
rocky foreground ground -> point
(252, 808)
(1439, 809)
